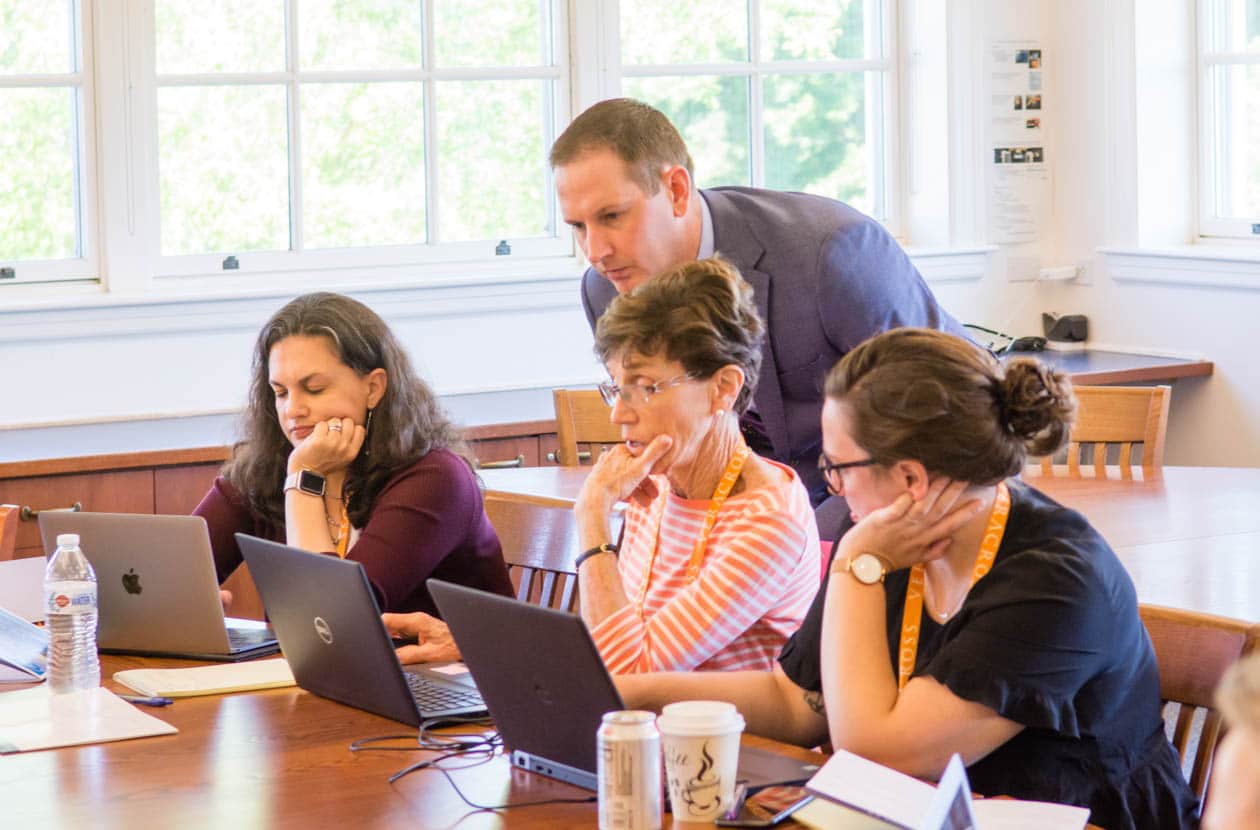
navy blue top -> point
(1051, 639)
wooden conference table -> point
(276, 758)
(1190, 539)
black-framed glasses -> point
(831, 471)
(637, 394)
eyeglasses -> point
(831, 472)
(637, 394)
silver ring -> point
(334, 427)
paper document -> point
(37, 719)
(23, 650)
(209, 680)
(906, 802)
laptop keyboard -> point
(243, 638)
(437, 697)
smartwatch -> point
(867, 568)
(306, 481)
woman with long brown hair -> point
(346, 452)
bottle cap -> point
(67, 539)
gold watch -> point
(867, 568)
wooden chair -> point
(1193, 650)
(8, 530)
(539, 545)
(582, 417)
(1117, 416)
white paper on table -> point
(873, 788)
(23, 650)
(906, 801)
(454, 669)
(37, 719)
(1008, 814)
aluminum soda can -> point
(629, 765)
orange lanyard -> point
(913, 613)
(343, 537)
(725, 484)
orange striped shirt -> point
(758, 578)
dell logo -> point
(324, 630)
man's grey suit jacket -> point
(825, 278)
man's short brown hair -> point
(638, 134)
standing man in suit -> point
(825, 277)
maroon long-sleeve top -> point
(427, 521)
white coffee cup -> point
(700, 742)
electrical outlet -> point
(1084, 272)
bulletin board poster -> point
(1019, 192)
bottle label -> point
(70, 597)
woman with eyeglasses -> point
(964, 612)
(719, 558)
(346, 452)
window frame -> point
(80, 82)
(884, 133)
(1214, 183)
(119, 188)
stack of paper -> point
(869, 795)
(37, 719)
(209, 680)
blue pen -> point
(148, 701)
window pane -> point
(815, 136)
(809, 30)
(712, 115)
(491, 159)
(362, 164)
(1238, 141)
(518, 37)
(37, 174)
(1234, 25)
(36, 37)
(194, 36)
(223, 169)
(696, 31)
(367, 34)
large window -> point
(183, 144)
(268, 136)
(1230, 118)
(785, 94)
(45, 178)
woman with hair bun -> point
(965, 612)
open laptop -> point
(157, 592)
(547, 688)
(331, 633)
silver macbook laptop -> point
(547, 688)
(331, 633)
(156, 586)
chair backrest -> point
(582, 417)
(1193, 650)
(1117, 417)
(539, 546)
(8, 530)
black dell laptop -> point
(330, 631)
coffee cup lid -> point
(700, 717)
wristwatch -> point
(867, 568)
(307, 481)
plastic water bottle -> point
(70, 612)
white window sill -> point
(952, 264)
(1214, 265)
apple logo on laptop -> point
(131, 581)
